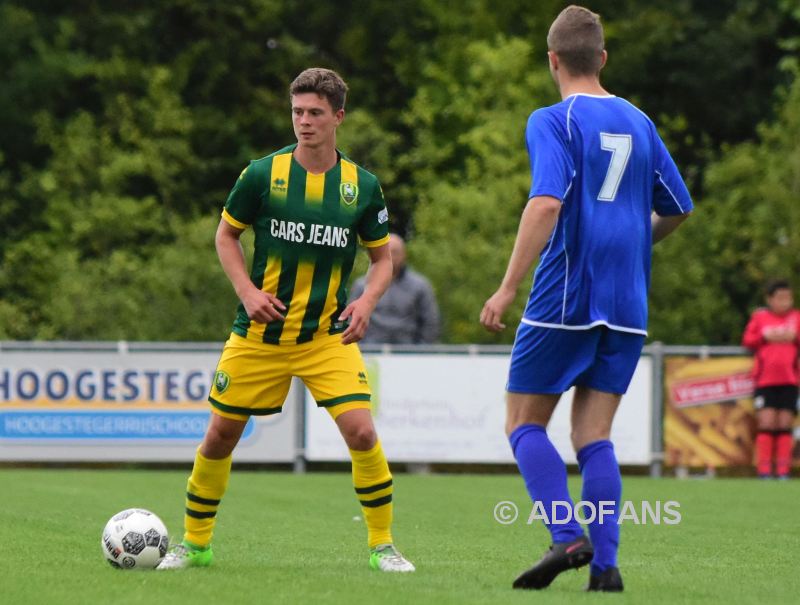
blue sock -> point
(602, 483)
(545, 477)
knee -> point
(584, 436)
(361, 437)
(784, 421)
(517, 416)
(223, 434)
(511, 426)
(219, 442)
(576, 437)
(767, 423)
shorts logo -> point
(222, 381)
(362, 378)
(349, 192)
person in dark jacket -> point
(407, 313)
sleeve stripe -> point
(675, 199)
(375, 243)
(232, 221)
(569, 111)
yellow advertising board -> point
(709, 420)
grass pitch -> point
(288, 538)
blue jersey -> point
(603, 158)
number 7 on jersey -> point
(620, 147)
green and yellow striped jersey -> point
(306, 230)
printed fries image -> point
(708, 412)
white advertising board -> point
(122, 406)
(451, 408)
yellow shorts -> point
(253, 379)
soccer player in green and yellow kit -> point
(309, 206)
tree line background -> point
(124, 124)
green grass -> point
(293, 539)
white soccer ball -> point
(135, 539)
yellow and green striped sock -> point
(373, 484)
(204, 491)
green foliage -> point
(369, 143)
(704, 299)
(667, 55)
(710, 274)
(471, 176)
(106, 194)
(125, 124)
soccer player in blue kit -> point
(604, 190)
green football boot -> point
(385, 557)
(183, 555)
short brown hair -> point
(576, 37)
(324, 82)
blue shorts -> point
(551, 360)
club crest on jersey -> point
(222, 381)
(349, 193)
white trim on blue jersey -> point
(569, 111)
(541, 324)
(677, 203)
(552, 239)
(566, 271)
(581, 94)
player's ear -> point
(339, 116)
(553, 60)
(603, 59)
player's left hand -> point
(494, 308)
(358, 312)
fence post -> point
(657, 411)
(299, 427)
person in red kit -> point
(773, 334)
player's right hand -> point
(494, 308)
(263, 307)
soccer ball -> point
(135, 539)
